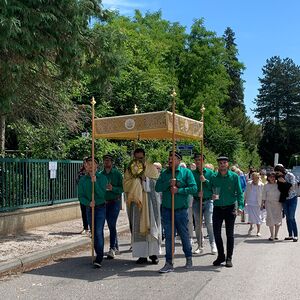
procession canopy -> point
(148, 126)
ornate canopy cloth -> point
(148, 126)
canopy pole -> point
(173, 172)
(93, 102)
(201, 173)
(135, 111)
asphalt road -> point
(262, 270)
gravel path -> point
(45, 237)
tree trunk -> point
(2, 135)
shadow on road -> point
(261, 241)
(81, 267)
(65, 233)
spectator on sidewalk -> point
(85, 197)
(82, 172)
(113, 198)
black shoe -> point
(154, 259)
(228, 263)
(295, 239)
(219, 260)
(97, 264)
(289, 238)
(142, 260)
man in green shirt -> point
(203, 176)
(183, 186)
(85, 197)
(114, 190)
(227, 192)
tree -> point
(234, 69)
(278, 109)
(201, 73)
(151, 47)
(42, 46)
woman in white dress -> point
(253, 202)
(271, 196)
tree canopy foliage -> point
(57, 56)
(278, 109)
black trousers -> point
(84, 217)
(227, 214)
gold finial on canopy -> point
(173, 94)
(135, 110)
(93, 102)
(202, 111)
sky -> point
(263, 28)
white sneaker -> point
(258, 234)
(213, 248)
(250, 231)
(111, 254)
(191, 241)
(198, 250)
(84, 232)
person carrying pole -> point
(96, 205)
(183, 186)
(203, 175)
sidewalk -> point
(19, 251)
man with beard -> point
(144, 208)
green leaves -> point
(278, 109)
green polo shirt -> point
(186, 186)
(207, 192)
(230, 189)
(116, 179)
(85, 189)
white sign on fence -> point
(52, 169)
(52, 165)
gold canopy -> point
(148, 126)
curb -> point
(35, 257)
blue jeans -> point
(289, 208)
(181, 226)
(207, 212)
(99, 227)
(112, 212)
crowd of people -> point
(200, 193)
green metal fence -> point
(29, 182)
